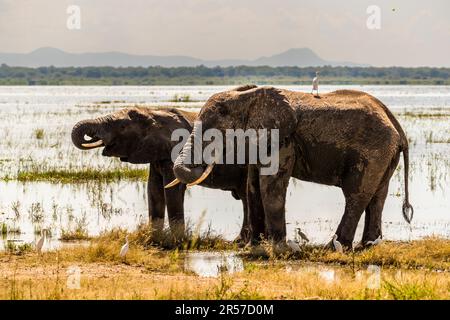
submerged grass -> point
(70, 176)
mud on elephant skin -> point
(348, 139)
(143, 135)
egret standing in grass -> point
(301, 234)
(41, 241)
(337, 245)
(293, 245)
(375, 242)
(315, 84)
(124, 249)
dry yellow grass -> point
(408, 271)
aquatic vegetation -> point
(18, 248)
(74, 235)
(79, 232)
(181, 98)
(68, 176)
(39, 134)
(36, 212)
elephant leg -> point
(355, 205)
(255, 208)
(273, 193)
(174, 200)
(244, 234)
(372, 223)
(359, 187)
(156, 202)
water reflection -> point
(212, 264)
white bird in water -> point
(375, 242)
(315, 84)
(293, 245)
(337, 245)
(41, 241)
(302, 235)
(124, 249)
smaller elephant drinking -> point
(143, 135)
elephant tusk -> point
(203, 176)
(173, 183)
(93, 144)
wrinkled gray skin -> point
(143, 135)
(345, 138)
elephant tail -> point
(407, 208)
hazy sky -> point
(416, 33)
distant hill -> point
(300, 57)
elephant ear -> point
(140, 117)
(268, 108)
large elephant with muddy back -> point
(345, 138)
(143, 135)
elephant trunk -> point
(92, 128)
(184, 169)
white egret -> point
(375, 242)
(315, 83)
(124, 249)
(293, 245)
(337, 245)
(41, 241)
(302, 235)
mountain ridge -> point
(49, 56)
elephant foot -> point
(359, 247)
(268, 250)
(257, 251)
(240, 241)
(281, 248)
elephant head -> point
(247, 107)
(135, 135)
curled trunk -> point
(88, 128)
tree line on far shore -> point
(220, 75)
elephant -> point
(346, 138)
(141, 135)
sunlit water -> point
(317, 209)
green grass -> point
(18, 249)
(39, 134)
(68, 176)
(181, 98)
